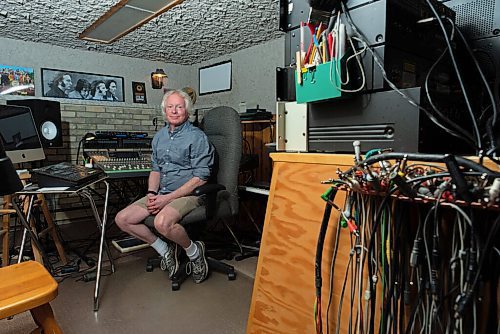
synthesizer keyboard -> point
(65, 174)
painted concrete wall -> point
(253, 77)
(38, 55)
(253, 72)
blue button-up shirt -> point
(181, 155)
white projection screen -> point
(215, 78)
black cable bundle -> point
(319, 255)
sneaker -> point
(170, 260)
(199, 266)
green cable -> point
(326, 195)
(372, 152)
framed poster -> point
(83, 86)
(17, 80)
(139, 92)
(215, 78)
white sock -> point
(160, 246)
(192, 251)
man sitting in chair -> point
(182, 160)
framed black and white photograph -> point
(82, 86)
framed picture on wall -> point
(17, 80)
(82, 86)
(215, 78)
(139, 92)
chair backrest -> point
(223, 128)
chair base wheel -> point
(153, 262)
(181, 275)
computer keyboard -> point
(65, 174)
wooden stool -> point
(28, 286)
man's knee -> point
(165, 224)
(123, 219)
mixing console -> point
(119, 164)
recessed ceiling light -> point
(124, 17)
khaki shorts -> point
(183, 204)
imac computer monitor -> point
(19, 135)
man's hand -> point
(155, 203)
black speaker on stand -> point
(47, 116)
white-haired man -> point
(182, 160)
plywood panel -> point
(284, 293)
(284, 289)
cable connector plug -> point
(406, 295)
(415, 252)
(471, 266)
(326, 195)
(352, 227)
(461, 304)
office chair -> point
(28, 285)
(223, 129)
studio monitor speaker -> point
(47, 116)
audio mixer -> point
(120, 164)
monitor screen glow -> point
(19, 134)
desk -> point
(254, 190)
(84, 190)
(254, 210)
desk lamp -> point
(11, 184)
(88, 137)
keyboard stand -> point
(86, 191)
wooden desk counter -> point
(284, 292)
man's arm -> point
(186, 189)
(154, 181)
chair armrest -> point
(208, 189)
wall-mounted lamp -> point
(157, 78)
